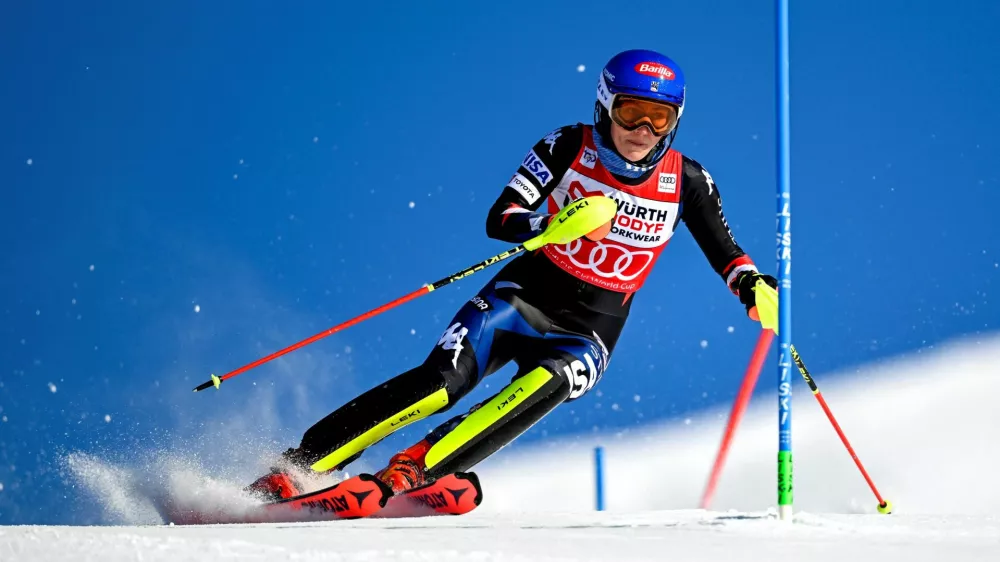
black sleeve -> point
(702, 213)
(513, 217)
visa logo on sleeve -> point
(537, 168)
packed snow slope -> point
(923, 425)
(690, 536)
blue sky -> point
(284, 169)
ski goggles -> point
(631, 113)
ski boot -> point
(284, 480)
(274, 486)
(406, 469)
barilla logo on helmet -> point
(656, 70)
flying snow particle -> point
(4, 419)
(730, 329)
(637, 398)
(30, 161)
(52, 388)
(615, 406)
(347, 349)
(107, 418)
(92, 267)
(412, 331)
(73, 301)
(412, 204)
(236, 176)
(315, 139)
(197, 308)
(38, 313)
(687, 421)
(581, 68)
(241, 161)
(704, 344)
(1, 486)
(755, 137)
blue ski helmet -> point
(644, 74)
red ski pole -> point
(884, 505)
(767, 307)
(739, 406)
(572, 222)
(216, 381)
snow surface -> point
(654, 536)
(924, 426)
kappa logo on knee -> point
(452, 339)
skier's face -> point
(633, 145)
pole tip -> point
(214, 381)
(885, 508)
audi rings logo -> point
(607, 260)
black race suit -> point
(531, 312)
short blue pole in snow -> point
(599, 476)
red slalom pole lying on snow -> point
(739, 406)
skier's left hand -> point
(744, 289)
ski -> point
(359, 496)
(454, 494)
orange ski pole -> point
(216, 381)
(884, 505)
(571, 222)
(767, 305)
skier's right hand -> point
(600, 232)
(590, 216)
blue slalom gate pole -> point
(599, 477)
(785, 487)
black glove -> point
(745, 283)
